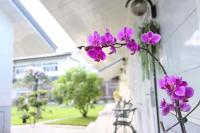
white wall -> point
(179, 21)
(6, 47)
(133, 87)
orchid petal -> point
(180, 91)
(189, 92)
(185, 107)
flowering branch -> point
(177, 89)
(119, 45)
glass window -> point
(49, 67)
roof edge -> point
(42, 56)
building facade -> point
(53, 65)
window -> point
(20, 69)
(49, 67)
(36, 65)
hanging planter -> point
(146, 59)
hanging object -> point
(139, 7)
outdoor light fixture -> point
(139, 7)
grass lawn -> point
(73, 117)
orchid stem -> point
(163, 128)
(180, 117)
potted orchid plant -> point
(178, 90)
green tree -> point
(20, 103)
(35, 80)
(23, 106)
(78, 87)
(38, 99)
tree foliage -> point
(78, 87)
(38, 82)
(33, 79)
(21, 104)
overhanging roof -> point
(112, 70)
(27, 42)
(80, 18)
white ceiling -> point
(80, 18)
(27, 42)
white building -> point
(53, 65)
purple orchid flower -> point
(189, 92)
(165, 107)
(133, 46)
(180, 91)
(94, 40)
(125, 34)
(185, 107)
(96, 53)
(108, 39)
(177, 89)
(113, 50)
(150, 38)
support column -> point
(6, 68)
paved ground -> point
(47, 129)
(104, 124)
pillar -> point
(6, 47)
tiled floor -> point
(104, 123)
(47, 129)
